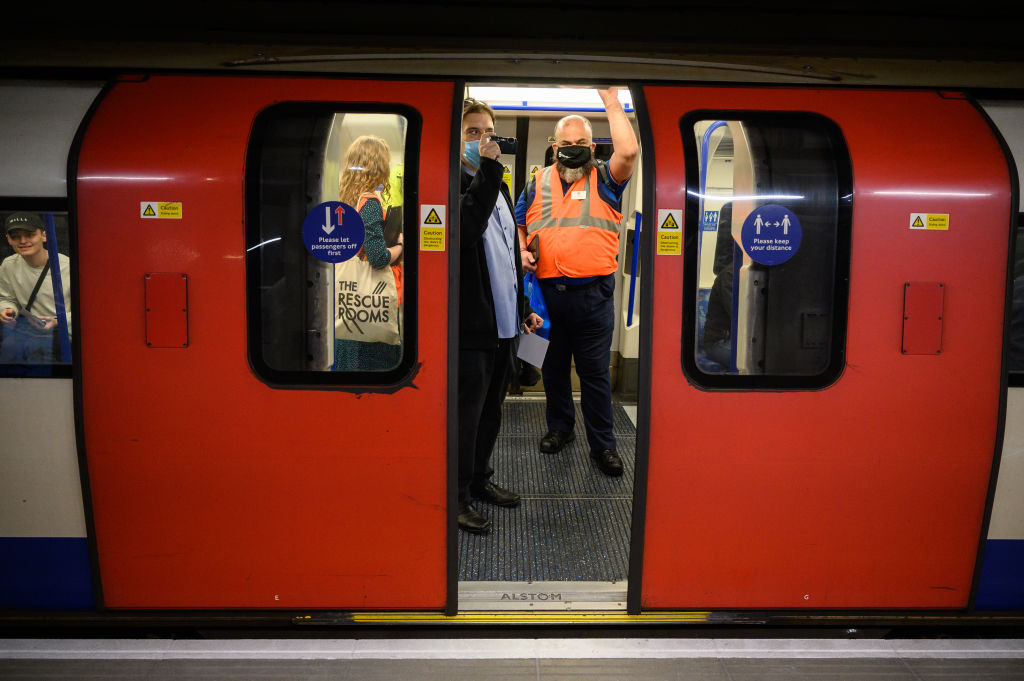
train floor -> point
(572, 526)
(589, 659)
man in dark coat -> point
(492, 312)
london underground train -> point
(816, 360)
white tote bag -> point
(366, 303)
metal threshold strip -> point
(546, 595)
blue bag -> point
(531, 288)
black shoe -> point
(608, 461)
(470, 520)
(492, 494)
(555, 441)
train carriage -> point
(855, 447)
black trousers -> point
(582, 324)
(483, 380)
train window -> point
(35, 297)
(768, 219)
(331, 284)
(1015, 357)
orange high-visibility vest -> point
(578, 232)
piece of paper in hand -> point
(532, 349)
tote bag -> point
(366, 303)
(366, 300)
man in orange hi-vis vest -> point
(571, 211)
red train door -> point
(825, 347)
(243, 452)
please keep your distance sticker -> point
(333, 232)
(771, 234)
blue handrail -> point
(632, 278)
(58, 289)
(705, 143)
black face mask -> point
(573, 157)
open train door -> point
(829, 277)
(242, 451)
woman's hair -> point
(366, 167)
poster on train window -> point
(771, 234)
(333, 231)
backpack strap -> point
(39, 285)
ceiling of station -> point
(909, 43)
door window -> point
(1015, 354)
(768, 215)
(331, 283)
(36, 324)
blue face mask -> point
(472, 153)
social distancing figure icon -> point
(771, 234)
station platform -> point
(545, 659)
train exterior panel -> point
(43, 539)
(870, 491)
(849, 454)
(210, 488)
(44, 549)
(1000, 586)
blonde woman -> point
(365, 184)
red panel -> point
(922, 317)
(869, 493)
(211, 489)
(166, 310)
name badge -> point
(579, 194)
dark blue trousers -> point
(582, 323)
(483, 380)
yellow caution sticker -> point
(431, 239)
(670, 244)
(670, 232)
(166, 210)
(938, 221)
(433, 219)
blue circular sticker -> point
(771, 234)
(333, 232)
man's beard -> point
(570, 175)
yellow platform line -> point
(528, 616)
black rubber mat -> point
(573, 523)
